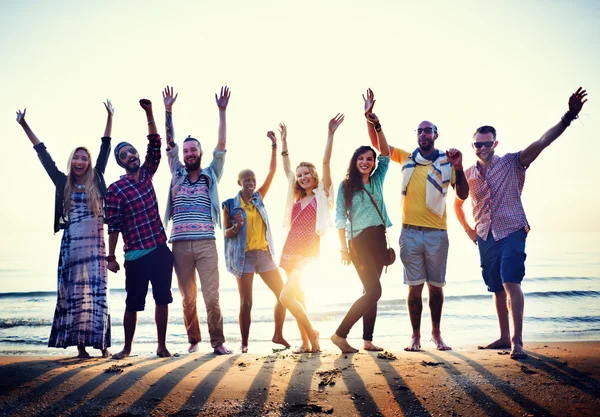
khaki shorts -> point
(424, 254)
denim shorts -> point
(503, 260)
(258, 261)
(424, 255)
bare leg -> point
(161, 317)
(129, 324)
(415, 308)
(305, 347)
(245, 290)
(82, 353)
(273, 280)
(436, 302)
(516, 303)
(502, 312)
(288, 298)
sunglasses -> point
(480, 145)
(123, 154)
(426, 130)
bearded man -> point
(195, 209)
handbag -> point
(390, 256)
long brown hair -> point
(300, 192)
(92, 196)
(353, 182)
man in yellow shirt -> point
(426, 175)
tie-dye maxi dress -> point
(82, 317)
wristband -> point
(111, 258)
(284, 153)
(150, 122)
(377, 127)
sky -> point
(462, 64)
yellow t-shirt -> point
(415, 211)
(256, 229)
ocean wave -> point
(28, 322)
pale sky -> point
(462, 64)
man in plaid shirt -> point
(495, 186)
(132, 210)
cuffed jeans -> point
(199, 255)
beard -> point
(193, 166)
(132, 169)
(486, 158)
(427, 147)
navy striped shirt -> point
(191, 211)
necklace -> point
(80, 186)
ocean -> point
(562, 294)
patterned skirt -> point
(81, 317)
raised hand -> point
(223, 98)
(372, 118)
(271, 135)
(109, 107)
(21, 117)
(576, 101)
(455, 158)
(283, 132)
(369, 101)
(168, 98)
(146, 104)
(336, 122)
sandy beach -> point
(560, 378)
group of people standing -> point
(129, 206)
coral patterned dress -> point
(302, 243)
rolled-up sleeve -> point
(340, 209)
(218, 162)
(113, 211)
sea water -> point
(561, 287)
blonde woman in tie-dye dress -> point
(307, 217)
(81, 317)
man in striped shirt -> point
(132, 209)
(495, 186)
(194, 207)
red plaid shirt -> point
(496, 198)
(132, 208)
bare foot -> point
(498, 344)
(343, 344)
(302, 349)
(439, 342)
(121, 355)
(368, 345)
(105, 353)
(415, 344)
(244, 348)
(193, 348)
(222, 350)
(518, 352)
(280, 341)
(163, 353)
(314, 343)
(83, 354)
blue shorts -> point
(503, 260)
(258, 261)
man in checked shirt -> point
(132, 210)
(495, 186)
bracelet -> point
(568, 118)
(274, 146)
(284, 153)
(150, 122)
(111, 258)
(377, 127)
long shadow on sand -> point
(256, 399)
(406, 399)
(12, 375)
(564, 374)
(298, 392)
(34, 395)
(507, 389)
(363, 401)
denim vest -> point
(235, 247)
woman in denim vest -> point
(249, 246)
